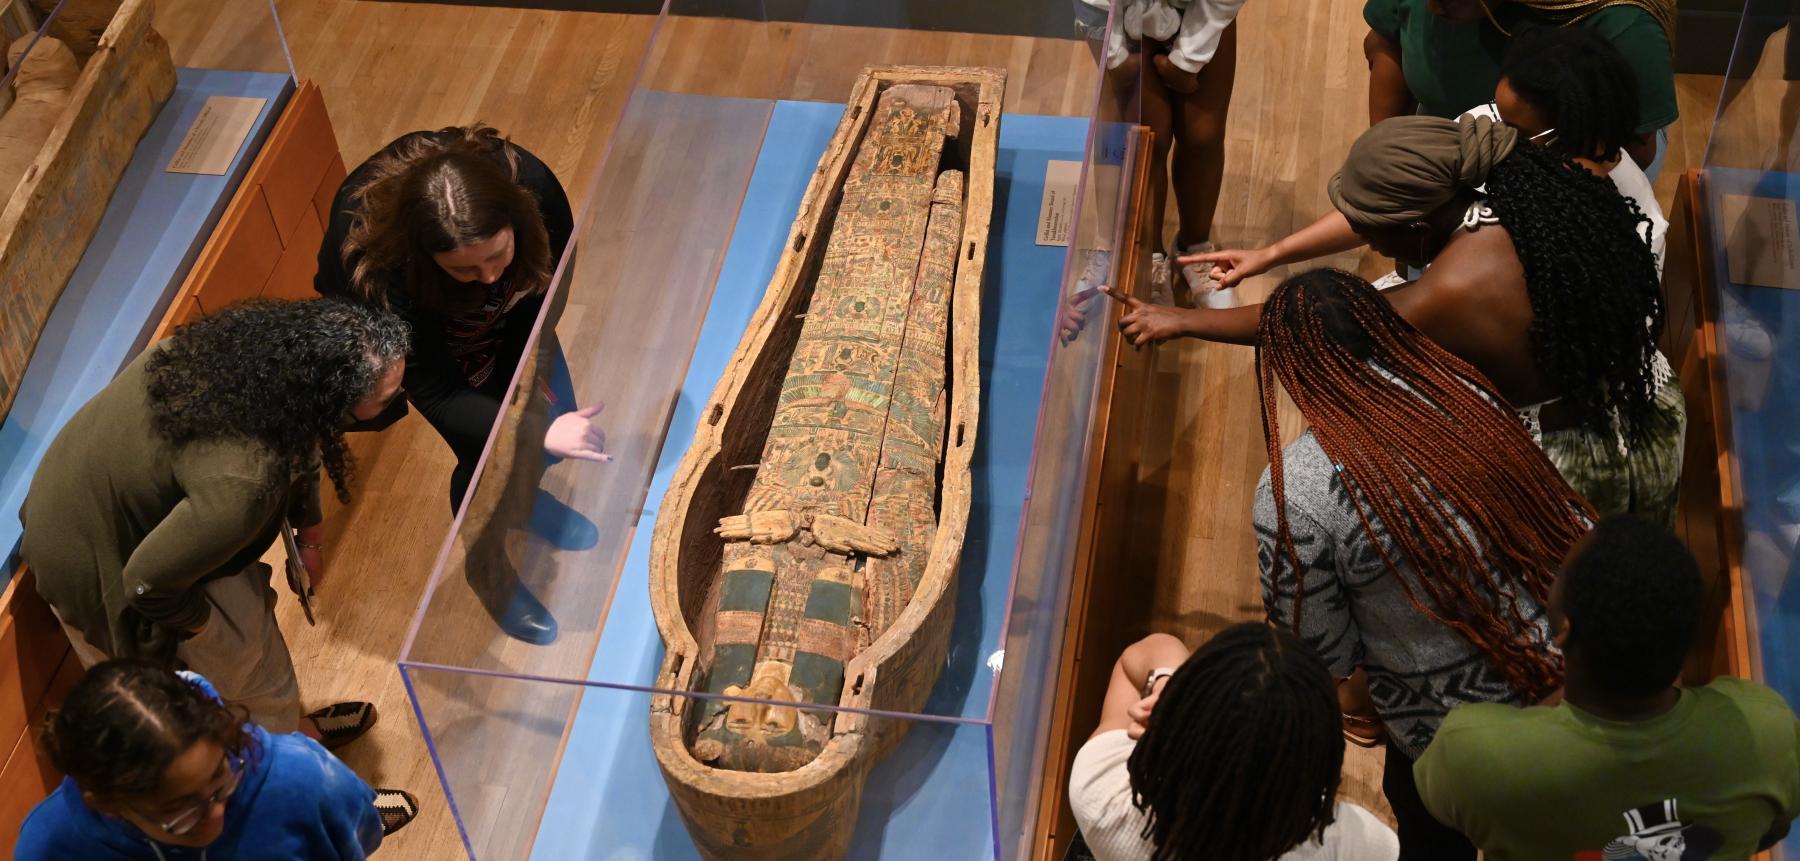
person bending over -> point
(1629, 764)
(1412, 532)
(1232, 753)
(1565, 89)
(459, 232)
(147, 520)
(1443, 57)
(1540, 279)
(158, 769)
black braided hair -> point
(1581, 83)
(1244, 750)
(1596, 300)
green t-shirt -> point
(1451, 68)
(1716, 772)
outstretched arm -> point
(1328, 235)
(1145, 323)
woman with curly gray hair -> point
(146, 521)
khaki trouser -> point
(241, 650)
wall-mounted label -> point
(1762, 240)
(1056, 214)
(216, 134)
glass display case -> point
(124, 228)
(545, 748)
(1746, 244)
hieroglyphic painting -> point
(839, 519)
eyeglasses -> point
(189, 818)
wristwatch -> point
(1155, 676)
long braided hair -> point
(1596, 299)
(1244, 750)
(1430, 455)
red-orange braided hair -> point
(1417, 461)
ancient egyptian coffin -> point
(808, 544)
(71, 168)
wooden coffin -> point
(52, 214)
(810, 811)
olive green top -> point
(122, 526)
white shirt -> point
(1191, 27)
(1100, 793)
(1632, 183)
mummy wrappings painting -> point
(807, 548)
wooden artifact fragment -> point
(822, 576)
(41, 92)
(46, 224)
(81, 23)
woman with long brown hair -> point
(459, 231)
(1413, 531)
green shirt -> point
(1451, 68)
(1717, 772)
(122, 526)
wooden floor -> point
(557, 82)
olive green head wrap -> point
(1405, 168)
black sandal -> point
(396, 807)
(341, 723)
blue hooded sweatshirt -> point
(295, 801)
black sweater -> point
(434, 381)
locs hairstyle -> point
(1243, 753)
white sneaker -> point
(1392, 279)
(1200, 283)
(1159, 280)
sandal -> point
(1363, 731)
(341, 723)
(396, 807)
(1362, 725)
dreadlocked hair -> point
(1429, 453)
(284, 374)
(1243, 753)
(1596, 300)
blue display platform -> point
(608, 800)
(153, 230)
(1761, 343)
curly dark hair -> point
(283, 373)
(1581, 82)
(126, 720)
(1631, 593)
(1244, 750)
(1596, 300)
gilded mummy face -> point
(762, 722)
